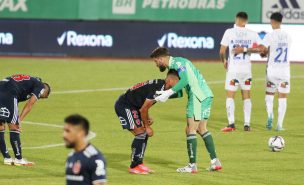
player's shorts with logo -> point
(128, 115)
(8, 108)
(278, 83)
(199, 110)
(234, 80)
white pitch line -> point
(90, 136)
(125, 88)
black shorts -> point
(8, 109)
(128, 115)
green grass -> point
(245, 156)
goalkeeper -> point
(200, 99)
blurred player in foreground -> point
(132, 109)
(275, 45)
(200, 99)
(85, 164)
(15, 89)
(238, 68)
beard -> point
(69, 144)
(162, 68)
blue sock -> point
(138, 147)
(16, 143)
(3, 148)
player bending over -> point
(200, 98)
(86, 164)
(238, 68)
(15, 89)
(132, 109)
(277, 46)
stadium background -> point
(118, 35)
(132, 28)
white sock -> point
(247, 111)
(269, 105)
(281, 111)
(230, 110)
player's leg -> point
(193, 107)
(231, 86)
(132, 122)
(283, 90)
(7, 158)
(206, 135)
(270, 92)
(245, 85)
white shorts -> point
(234, 80)
(276, 83)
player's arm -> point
(258, 49)
(144, 113)
(28, 107)
(178, 94)
(223, 55)
(183, 80)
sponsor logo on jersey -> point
(73, 39)
(13, 5)
(292, 10)
(172, 40)
(6, 38)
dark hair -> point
(159, 52)
(49, 87)
(173, 72)
(242, 15)
(277, 16)
(78, 120)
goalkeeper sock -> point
(230, 110)
(281, 111)
(269, 105)
(207, 137)
(138, 147)
(16, 143)
(3, 148)
(247, 111)
(191, 146)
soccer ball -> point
(276, 143)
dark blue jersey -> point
(85, 167)
(138, 94)
(22, 86)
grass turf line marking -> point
(125, 88)
(91, 135)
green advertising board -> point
(151, 10)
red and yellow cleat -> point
(138, 170)
(145, 168)
(228, 129)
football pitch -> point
(92, 87)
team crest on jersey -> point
(76, 167)
(4, 112)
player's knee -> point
(13, 127)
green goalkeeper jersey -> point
(190, 78)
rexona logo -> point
(13, 5)
(292, 10)
(6, 39)
(172, 40)
(80, 40)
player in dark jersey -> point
(15, 89)
(132, 110)
(85, 165)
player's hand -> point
(164, 95)
(149, 131)
(226, 64)
(238, 50)
(150, 121)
